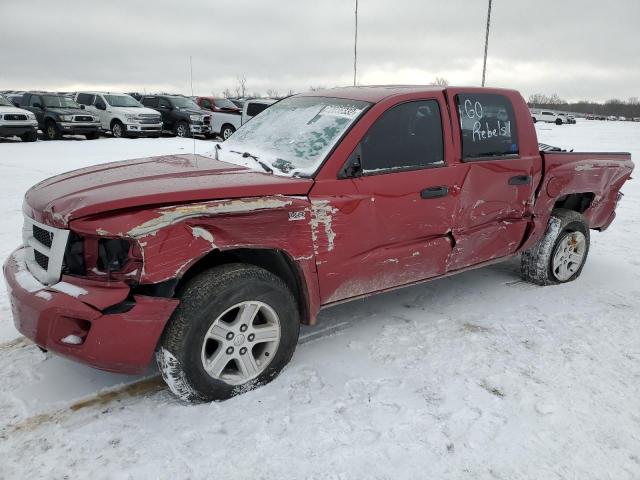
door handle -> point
(434, 192)
(520, 180)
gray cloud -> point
(577, 48)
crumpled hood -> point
(154, 181)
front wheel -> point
(30, 137)
(117, 129)
(560, 255)
(182, 129)
(558, 121)
(235, 329)
(51, 131)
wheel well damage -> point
(578, 202)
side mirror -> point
(37, 105)
(101, 106)
(82, 107)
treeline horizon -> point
(620, 108)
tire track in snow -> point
(147, 386)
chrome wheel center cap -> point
(239, 340)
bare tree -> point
(440, 82)
(241, 89)
(226, 93)
(272, 93)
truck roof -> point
(376, 93)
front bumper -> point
(77, 128)
(201, 129)
(143, 129)
(8, 130)
(117, 342)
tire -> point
(29, 137)
(92, 136)
(51, 131)
(210, 304)
(118, 130)
(558, 121)
(565, 242)
(182, 129)
(226, 131)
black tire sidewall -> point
(186, 129)
(122, 130)
(571, 227)
(227, 128)
(189, 354)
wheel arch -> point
(578, 202)
(278, 262)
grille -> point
(44, 250)
(41, 260)
(148, 119)
(83, 118)
(43, 236)
(14, 116)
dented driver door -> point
(388, 222)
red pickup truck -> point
(212, 264)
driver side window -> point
(407, 136)
(164, 103)
(33, 100)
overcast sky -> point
(580, 49)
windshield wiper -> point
(266, 167)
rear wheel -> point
(226, 131)
(558, 121)
(235, 329)
(560, 255)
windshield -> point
(121, 101)
(183, 102)
(59, 101)
(4, 102)
(224, 103)
(295, 135)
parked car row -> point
(91, 113)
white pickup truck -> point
(17, 122)
(546, 116)
(122, 114)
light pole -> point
(355, 49)
(486, 44)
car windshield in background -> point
(121, 101)
(295, 135)
(4, 102)
(58, 101)
(182, 102)
(224, 103)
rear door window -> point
(85, 99)
(487, 125)
(254, 108)
(150, 101)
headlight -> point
(66, 118)
(31, 116)
(131, 116)
(195, 118)
(113, 254)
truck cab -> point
(121, 114)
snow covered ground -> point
(475, 376)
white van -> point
(121, 114)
